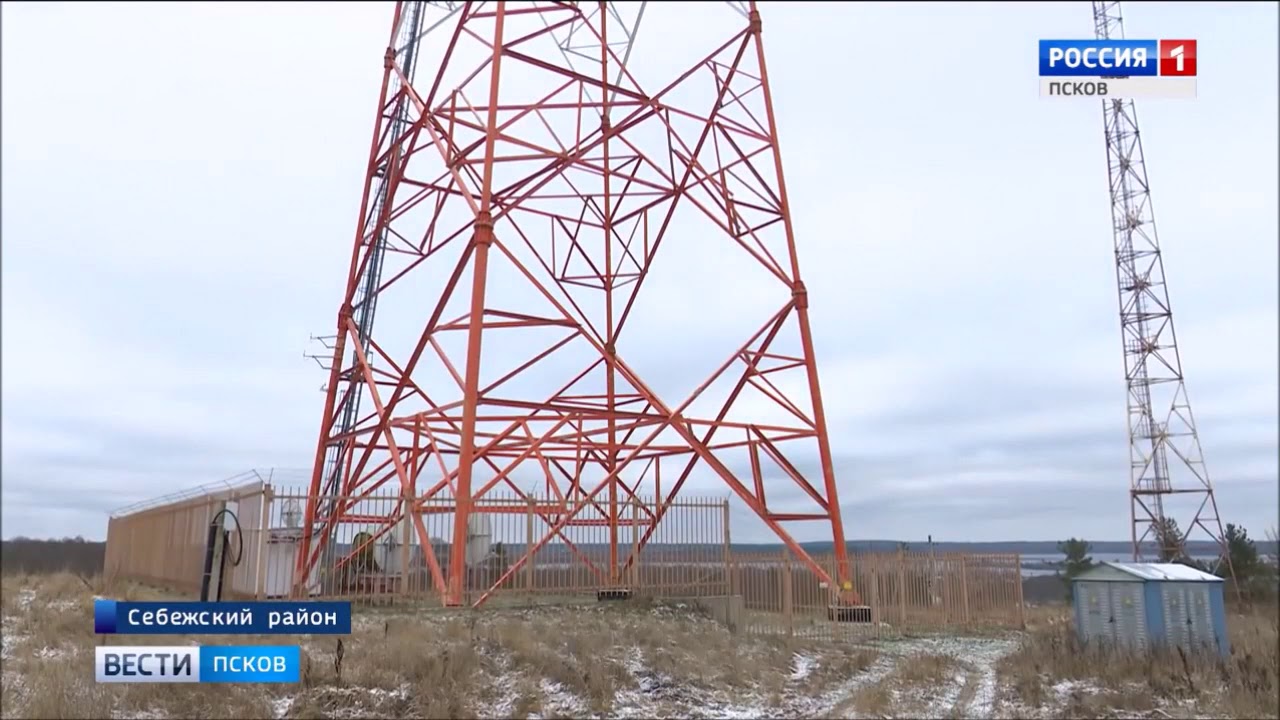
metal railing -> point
(688, 556)
(901, 591)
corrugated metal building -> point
(1147, 604)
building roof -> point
(1163, 571)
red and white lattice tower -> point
(526, 173)
(1168, 475)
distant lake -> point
(1036, 561)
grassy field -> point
(627, 660)
(1051, 671)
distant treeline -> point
(25, 555)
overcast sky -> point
(180, 184)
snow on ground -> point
(139, 715)
(804, 683)
(969, 691)
(12, 633)
(658, 692)
(504, 705)
(53, 653)
(1064, 689)
(11, 636)
(802, 666)
(281, 705)
(558, 701)
(350, 702)
(651, 692)
(938, 701)
(1065, 696)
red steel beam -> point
(591, 204)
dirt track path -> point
(979, 697)
(968, 690)
(929, 678)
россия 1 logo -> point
(1118, 68)
(1177, 58)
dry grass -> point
(628, 658)
(551, 662)
(875, 700)
(912, 688)
(1052, 672)
(925, 670)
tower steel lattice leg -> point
(529, 156)
(1166, 460)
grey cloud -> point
(116, 450)
(1063, 479)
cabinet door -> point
(1169, 593)
(1109, 614)
(1097, 611)
(1199, 618)
(1127, 607)
(1177, 615)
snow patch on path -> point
(558, 701)
(983, 703)
(978, 656)
(801, 666)
(942, 705)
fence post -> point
(902, 586)
(528, 546)
(1017, 579)
(635, 545)
(728, 552)
(406, 540)
(964, 585)
(264, 529)
(786, 592)
(874, 562)
(939, 582)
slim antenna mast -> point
(1166, 461)
(367, 275)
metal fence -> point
(903, 591)
(163, 542)
(373, 562)
(378, 558)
